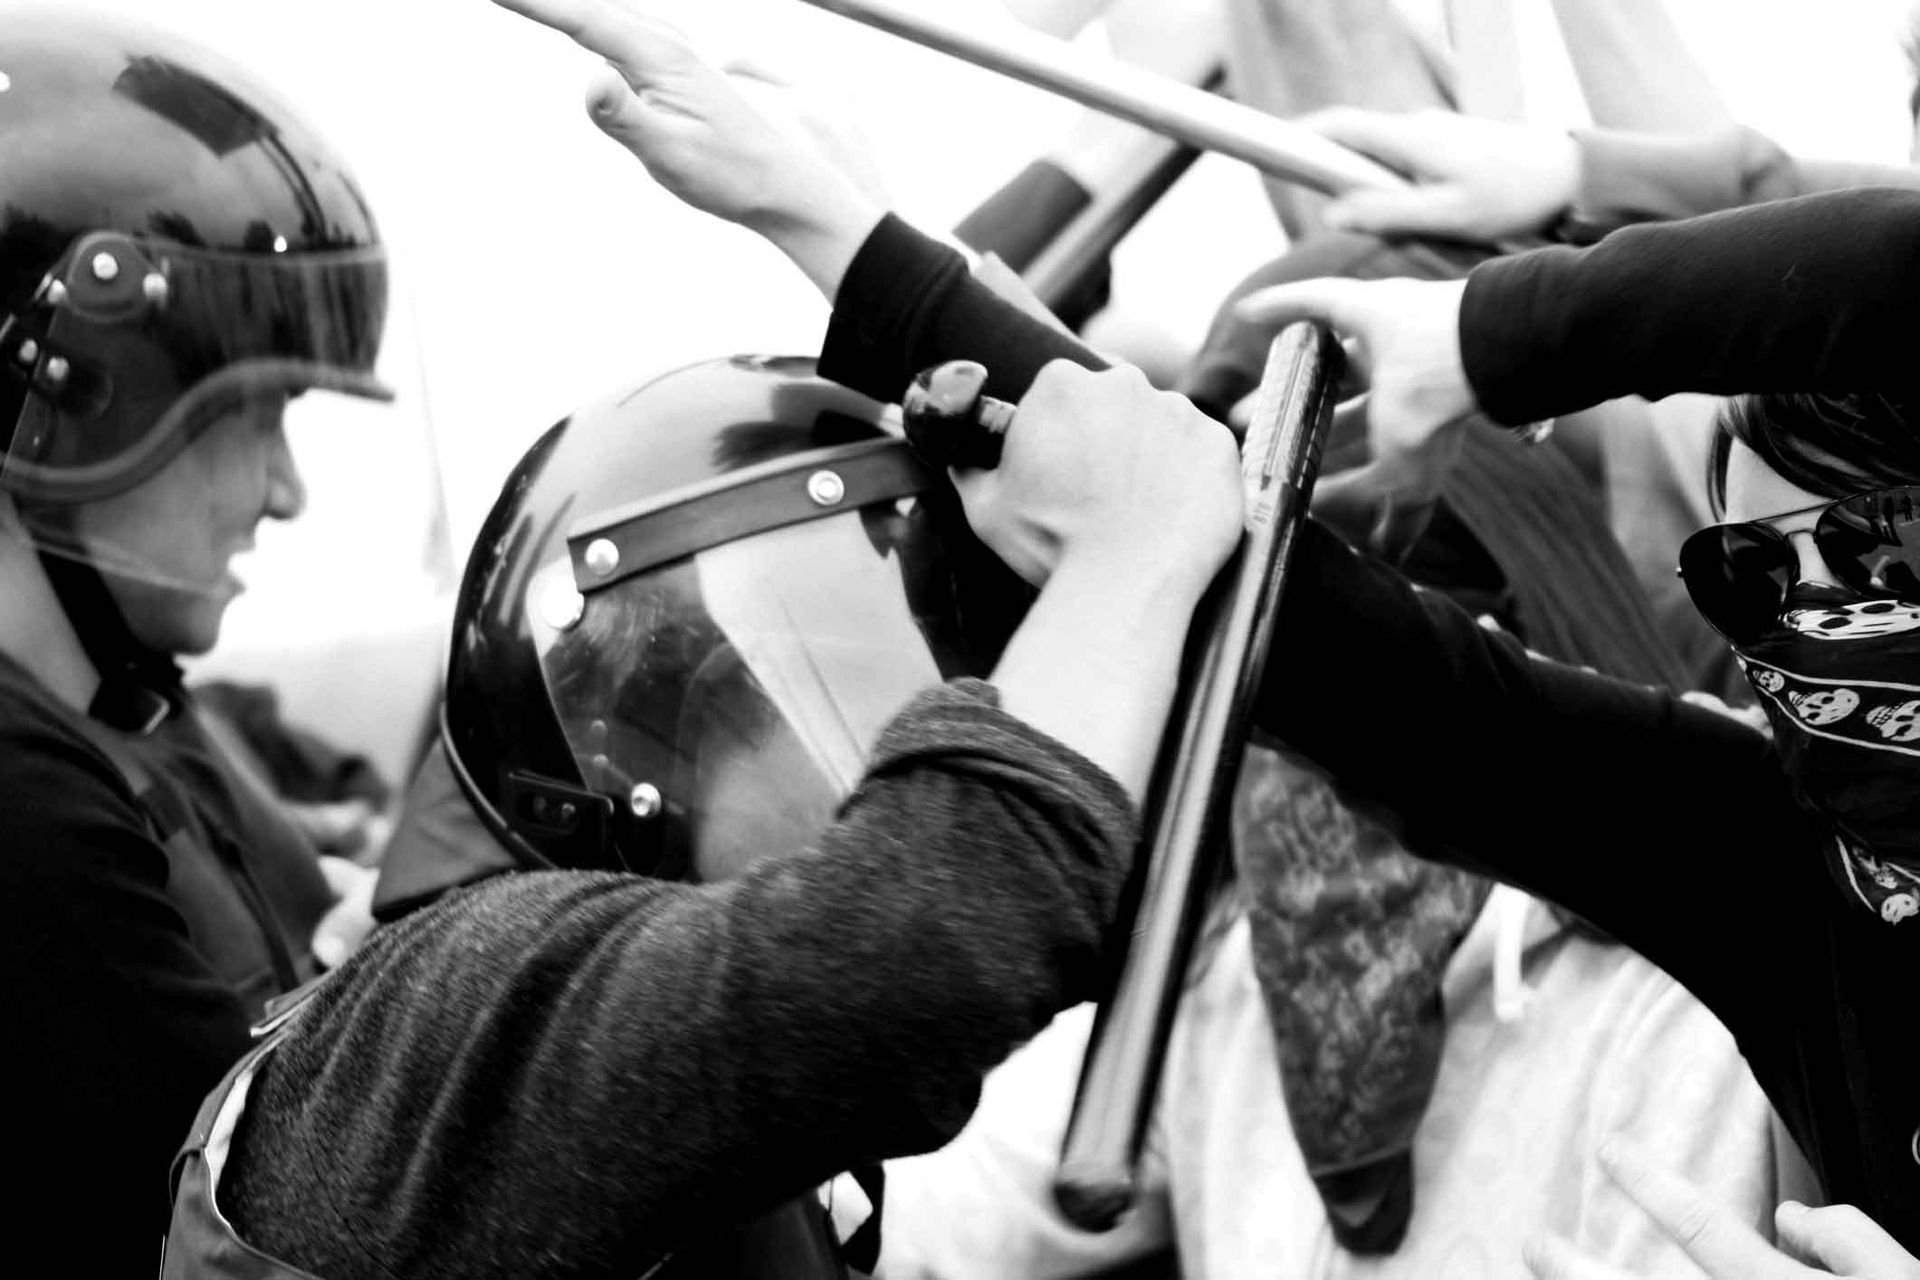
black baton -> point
(1185, 824)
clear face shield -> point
(735, 694)
(239, 444)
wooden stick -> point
(1198, 118)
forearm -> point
(1097, 659)
(822, 236)
(1815, 294)
(610, 1066)
(1578, 788)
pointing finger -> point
(641, 47)
(1328, 301)
(1725, 1246)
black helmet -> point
(692, 608)
(171, 237)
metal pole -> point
(1194, 777)
(1268, 143)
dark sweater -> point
(564, 1074)
(1663, 824)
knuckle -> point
(1695, 1226)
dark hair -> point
(1833, 445)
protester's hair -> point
(1834, 445)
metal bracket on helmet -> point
(27, 352)
(107, 279)
(551, 811)
(758, 499)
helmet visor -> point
(736, 693)
(137, 346)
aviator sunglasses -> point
(1741, 575)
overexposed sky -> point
(539, 268)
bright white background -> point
(541, 269)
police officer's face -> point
(166, 546)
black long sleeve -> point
(1478, 753)
(1820, 293)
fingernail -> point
(1789, 1210)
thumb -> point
(1845, 1241)
(1431, 210)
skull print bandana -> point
(1840, 682)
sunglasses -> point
(1741, 575)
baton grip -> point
(951, 421)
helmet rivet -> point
(106, 267)
(826, 488)
(602, 557)
(29, 351)
(56, 293)
(644, 800)
(154, 286)
(561, 607)
(56, 370)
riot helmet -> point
(181, 258)
(172, 237)
(691, 611)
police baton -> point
(1189, 801)
(1185, 820)
(1164, 105)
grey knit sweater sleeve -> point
(563, 1074)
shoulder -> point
(66, 811)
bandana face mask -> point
(1837, 669)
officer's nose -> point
(286, 491)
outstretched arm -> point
(1491, 182)
(1816, 294)
(703, 140)
(1482, 754)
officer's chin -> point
(189, 628)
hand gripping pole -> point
(1186, 819)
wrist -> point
(821, 230)
(1128, 575)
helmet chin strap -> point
(139, 687)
